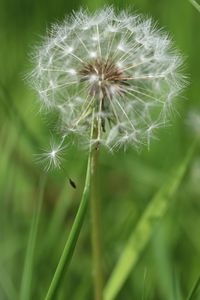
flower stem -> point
(70, 245)
(96, 227)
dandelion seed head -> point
(118, 65)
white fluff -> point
(141, 51)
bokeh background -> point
(170, 263)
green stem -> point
(96, 228)
(73, 236)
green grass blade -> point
(25, 291)
(144, 229)
(195, 291)
(195, 4)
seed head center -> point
(103, 78)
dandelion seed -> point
(122, 68)
(52, 158)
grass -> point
(140, 193)
(195, 4)
(25, 291)
(195, 291)
(144, 229)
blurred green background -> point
(170, 262)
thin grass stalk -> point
(25, 291)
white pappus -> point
(116, 71)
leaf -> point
(144, 229)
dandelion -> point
(115, 71)
(112, 80)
